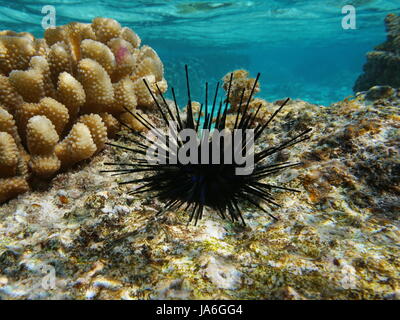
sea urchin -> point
(206, 172)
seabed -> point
(337, 239)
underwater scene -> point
(200, 150)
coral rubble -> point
(60, 96)
(383, 64)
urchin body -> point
(199, 184)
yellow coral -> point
(97, 128)
(99, 52)
(130, 36)
(41, 135)
(41, 64)
(15, 53)
(29, 84)
(97, 84)
(8, 155)
(7, 124)
(124, 97)
(11, 187)
(54, 35)
(76, 32)
(44, 166)
(132, 122)
(71, 93)
(125, 58)
(112, 124)
(71, 86)
(56, 112)
(77, 146)
(163, 85)
(60, 60)
(106, 29)
(149, 63)
(143, 95)
(9, 98)
(41, 47)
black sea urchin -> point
(204, 182)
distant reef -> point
(383, 64)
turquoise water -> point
(299, 46)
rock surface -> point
(337, 239)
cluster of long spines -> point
(251, 184)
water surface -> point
(299, 46)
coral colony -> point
(61, 96)
(198, 180)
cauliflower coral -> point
(61, 96)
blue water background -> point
(299, 46)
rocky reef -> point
(337, 239)
(241, 88)
(61, 96)
(383, 64)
